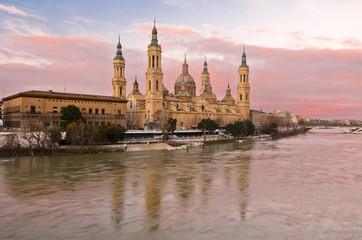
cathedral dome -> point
(207, 95)
(186, 78)
(183, 93)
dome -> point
(183, 93)
(186, 78)
(228, 98)
(207, 95)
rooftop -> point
(61, 95)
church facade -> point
(189, 107)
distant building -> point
(255, 117)
(285, 117)
(27, 108)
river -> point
(302, 187)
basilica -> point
(186, 104)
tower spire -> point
(243, 61)
(154, 40)
(119, 49)
(205, 67)
(185, 67)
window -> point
(246, 97)
(97, 111)
(120, 91)
(153, 61)
(157, 61)
(84, 110)
(103, 111)
(149, 62)
(121, 72)
(90, 111)
(149, 85)
(130, 103)
(241, 97)
(244, 77)
(55, 109)
(157, 85)
(32, 109)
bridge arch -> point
(331, 127)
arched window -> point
(157, 60)
(240, 78)
(246, 97)
(241, 97)
(149, 85)
(121, 72)
(153, 61)
(117, 71)
(120, 91)
(244, 77)
(157, 85)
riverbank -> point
(146, 146)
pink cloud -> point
(312, 82)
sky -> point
(304, 56)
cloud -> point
(16, 11)
(70, 22)
(19, 26)
(292, 39)
(84, 20)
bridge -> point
(344, 130)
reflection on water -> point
(304, 187)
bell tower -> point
(154, 80)
(119, 81)
(243, 98)
(205, 78)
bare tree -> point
(132, 117)
(53, 137)
(11, 144)
(162, 116)
(35, 137)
